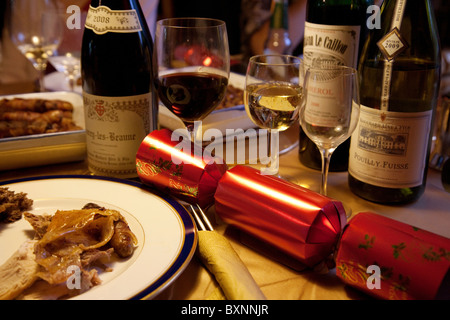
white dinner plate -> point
(165, 231)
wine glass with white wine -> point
(272, 97)
(36, 30)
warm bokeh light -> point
(207, 61)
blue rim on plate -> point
(189, 244)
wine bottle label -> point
(389, 149)
(322, 108)
(330, 44)
(102, 20)
(115, 128)
(392, 44)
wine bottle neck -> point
(423, 7)
(279, 19)
(416, 26)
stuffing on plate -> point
(12, 205)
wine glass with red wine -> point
(193, 62)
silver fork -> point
(200, 218)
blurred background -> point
(247, 25)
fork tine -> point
(205, 219)
(201, 219)
(197, 219)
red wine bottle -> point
(118, 89)
(334, 33)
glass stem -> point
(272, 165)
(196, 143)
(41, 81)
(71, 81)
(326, 156)
(191, 131)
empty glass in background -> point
(330, 110)
(272, 97)
(66, 58)
(36, 30)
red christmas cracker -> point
(412, 263)
(179, 168)
(301, 223)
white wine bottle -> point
(118, 89)
(400, 76)
(334, 33)
(278, 41)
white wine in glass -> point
(273, 105)
(272, 96)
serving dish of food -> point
(161, 235)
(41, 128)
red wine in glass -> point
(193, 95)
